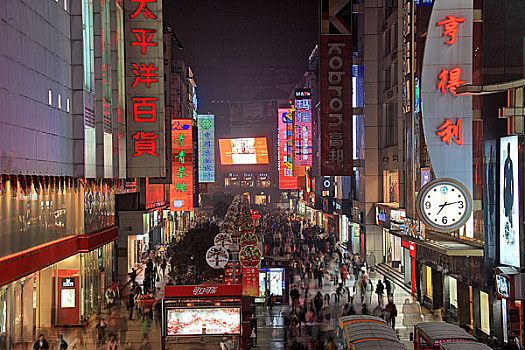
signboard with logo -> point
(303, 127)
(447, 115)
(509, 225)
(68, 282)
(202, 291)
(336, 119)
(206, 128)
(144, 88)
(286, 155)
(181, 189)
(203, 321)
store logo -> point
(204, 290)
(68, 282)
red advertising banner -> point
(336, 105)
(219, 290)
(250, 281)
(286, 155)
(181, 189)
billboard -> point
(243, 151)
(336, 104)
(206, 147)
(203, 321)
(285, 141)
(144, 89)
(303, 127)
(509, 224)
(181, 189)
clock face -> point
(444, 204)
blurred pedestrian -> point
(61, 343)
(112, 343)
(131, 304)
(145, 345)
(41, 343)
(379, 291)
(123, 329)
(101, 330)
(392, 312)
(330, 345)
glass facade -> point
(99, 204)
(34, 213)
(88, 47)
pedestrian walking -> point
(101, 330)
(392, 312)
(380, 291)
(123, 329)
(112, 343)
(61, 343)
(41, 343)
(131, 304)
(330, 345)
(163, 266)
(253, 337)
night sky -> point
(232, 45)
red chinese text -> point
(144, 74)
(449, 131)
(145, 143)
(451, 27)
(144, 109)
(143, 37)
(450, 80)
(143, 8)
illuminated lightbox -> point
(205, 321)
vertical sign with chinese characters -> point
(447, 65)
(303, 127)
(181, 189)
(285, 141)
(206, 149)
(144, 88)
(336, 118)
(250, 281)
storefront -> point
(510, 289)
(355, 231)
(391, 249)
(63, 294)
(410, 274)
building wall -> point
(35, 88)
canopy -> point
(432, 331)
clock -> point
(444, 205)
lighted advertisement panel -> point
(206, 148)
(509, 225)
(181, 189)
(243, 151)
(285, 141)
(144, 89)
(303, 127)
(203, 321)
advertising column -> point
(144, 88)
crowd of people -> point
(317, 259)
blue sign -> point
(206, 125)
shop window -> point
(427, 281)
(391, 186)
(484, 312)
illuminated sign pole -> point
(181, 190)
(144, 88)
(303, 127)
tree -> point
(188, 255)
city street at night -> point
(234, 175)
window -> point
(59, 101)
(49, 98)
(88, 48)
(67, 105)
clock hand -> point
(442, 206)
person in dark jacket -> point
(61, 343)
(41, 343)
(379, 291)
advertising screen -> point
(276, 281)
(509, 240)
(286, 158)
(209, 321)
(243, 151)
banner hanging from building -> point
(303, 127)
(144, 88)
(206, 148)
(181, 189)
(286, 155)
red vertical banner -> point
(303, 127)
(250, 281)
(336, 105)
(228, 273)
(181, 189)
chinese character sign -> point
(449, 131)
(336, 105)
(144, 88)
(285, 141)
(250, 281)
(303, 127)
(181, 189)
(206, 148)
(450, 26)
